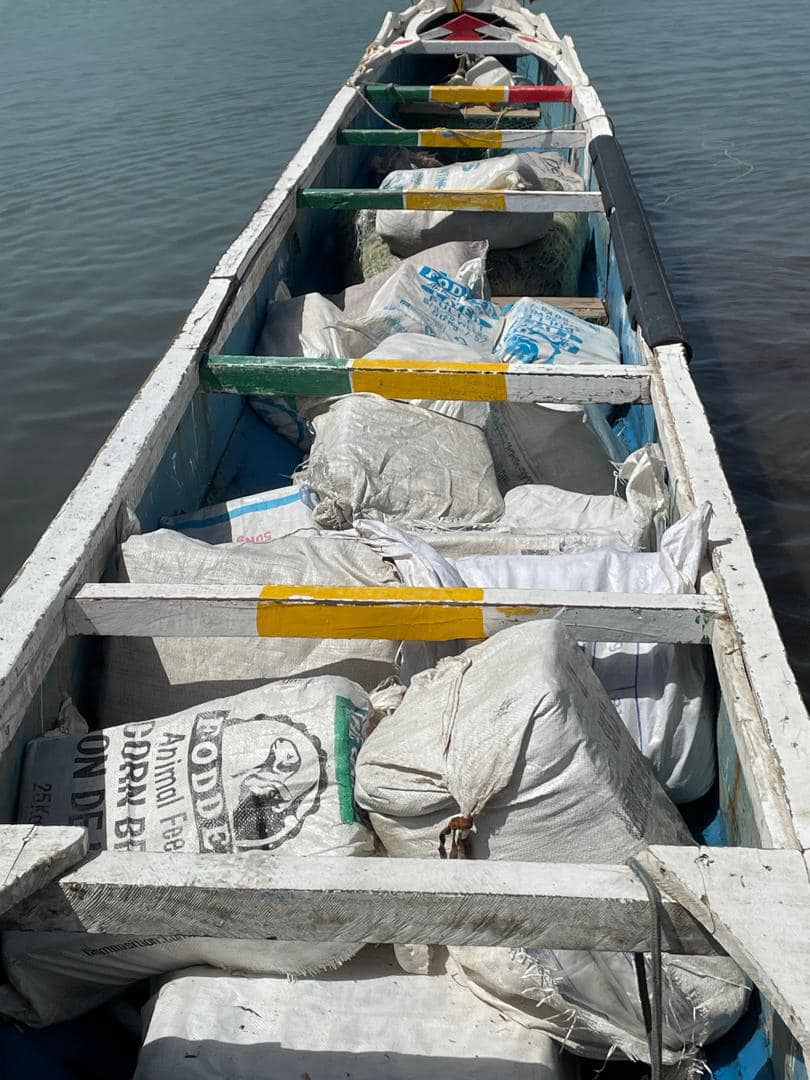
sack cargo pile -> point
(518, 742)
(366, 1020)
(534, 746)
(147, 677)
(660, 691)
(266, 772)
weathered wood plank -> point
(517, 202)
(441, 379)
(590, 308)
(492, 139)
(471, 95)
(756, 904)
(779, 762)
(31, 856)
(409, 614)
(563, 905)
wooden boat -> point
(189, 439)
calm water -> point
(136, 139)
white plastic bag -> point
(266, 772)
(146, 677)
(388, 460)
(409, 231)
(254, 519)
(514, 749)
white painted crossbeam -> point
(33, 855)
(409, 614)
(757, 905)
(453, 380)
(514, 202)
(560, 905)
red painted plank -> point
(539, 93)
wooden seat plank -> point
(406, 614)
(437, 379)
(33, 855)
(590, 308)
(504, 202)
(532, 905)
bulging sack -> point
(409, 231)
(254, 519)
(267, 771)
(147, 677)
(389, 460)
(538, 333)
(513, 750)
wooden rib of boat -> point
(186, 435)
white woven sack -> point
(254, 519)
(388, 460)
(263, 773)
(409, 231)
(518, 742)
(538, 333)
(146, 677)
(547, 444)
(420, 299)
(313, 325)
(366, 1021)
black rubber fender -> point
(646, 288)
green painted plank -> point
(390, 92)
(350, 199)
(279, 375)
(382, 137)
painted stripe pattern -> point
(468, 95)
(471, 138)
(453, 380)
(519, 202)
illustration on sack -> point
(274, 794)
(273, 775)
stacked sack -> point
(513, 750)
(265, 772)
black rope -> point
(651, 1004)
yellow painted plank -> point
(430, 379)
(477, 140)
(449, 200)
(406, 613)
(469, 94)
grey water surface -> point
(137, 138)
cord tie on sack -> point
(458, 829)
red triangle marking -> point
(464, 28)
